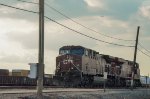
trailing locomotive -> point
(79, 66)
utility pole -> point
(104, 85)
(40, 67)
(146, 77)
(148, 80)
(105, 78)
(134, 61)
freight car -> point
(20, 72)
(4, 72)
(20, 78)
(79, 66)
(22, 81)
(145, 81)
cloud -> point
(21, 39)
(19, 32)
(5, 10)
(18, 4)
(17, 25)
(141, 18)
(94, 3)
(145, 11)
(57, 36)
(27, 6)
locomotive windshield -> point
(79, 51)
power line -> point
(18, 8)
(144, 53)
(68, 27)
(144, 48)
(76, 21)
(85, 34)
(84, 25)
(28, 2)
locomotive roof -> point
(112, 58)
(107, 57)
(76, 47)
(71, 47)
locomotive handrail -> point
(76, 67)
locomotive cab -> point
(69, 60)
(69, 63)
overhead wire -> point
(84, 25)
(28, 2)
(144, 53)
(18, 8)
(77, 22)
(67, 27)
(143, 47)
(71, 29)
(86, 35)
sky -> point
(116, 18)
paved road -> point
(53, 90)
(11, 91)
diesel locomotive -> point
(79, 66)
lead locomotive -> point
(78, 66)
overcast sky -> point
(116, 18)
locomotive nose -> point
(67, 63)
(68, 59)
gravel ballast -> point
(109, 94)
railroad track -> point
(27, 87)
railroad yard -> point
(76, 93)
